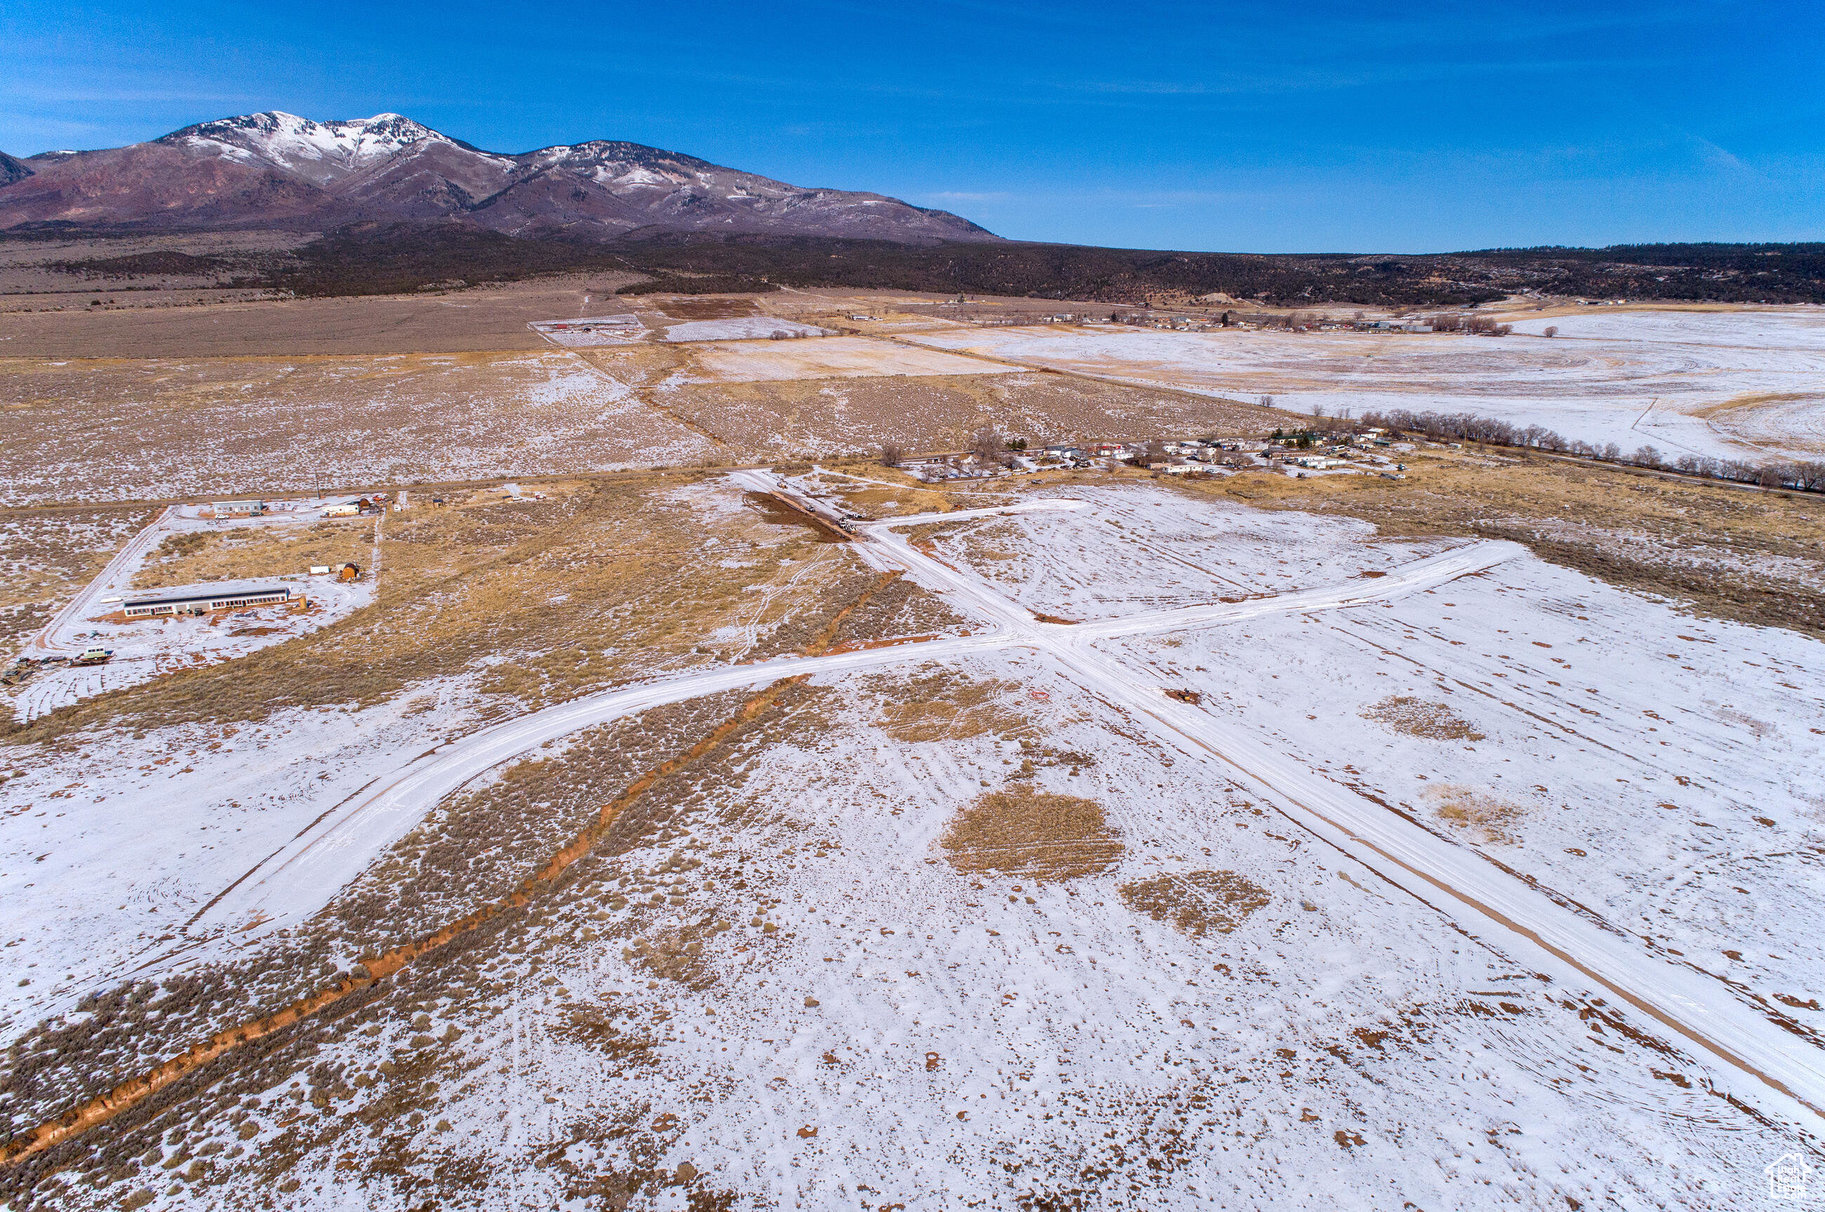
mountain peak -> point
(319, 152)
(278, 168)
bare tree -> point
(1267, 401)
(892, 455)
(987, 445)
(1552, 330)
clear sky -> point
(1278, 126)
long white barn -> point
(207, 603)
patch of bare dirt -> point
(1488, 817)
(711, 307)
(1036, 835)
(195, 556)
(479, 318)
(944, 705)
(822, 417)
(1416, 717)
(92, 428)
(1197, 901)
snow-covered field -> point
(1656, 769)
(1451, 879)
(827, 358)
(1733, 384)
(741, 328)
(1134, 550)
(101, 864)
(1786, 328)
(887, 1030)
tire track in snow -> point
(1785, 1073)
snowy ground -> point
(150, 647)
(829, 358)
(167, 428)
(1656, 771)
(1141, 548)
(98, 866)
(888, 1031)
(1534, 1001)
(1684, 382)
(741, 328)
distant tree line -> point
(1457, 321)
(376, 258)
(1799, 475)
(1756, 273)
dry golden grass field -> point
(1025, 920)
(482, 318)
(589, 584)
(126, 428)
(46, 556)
(147, 403)
(1757, 557)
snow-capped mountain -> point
(319, 152)
(279, 169)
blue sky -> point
(1235, 126)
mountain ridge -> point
(12, 169)
(279, 169)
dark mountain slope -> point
(280, 170)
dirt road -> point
(1761, 1061)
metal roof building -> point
(225, 598)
